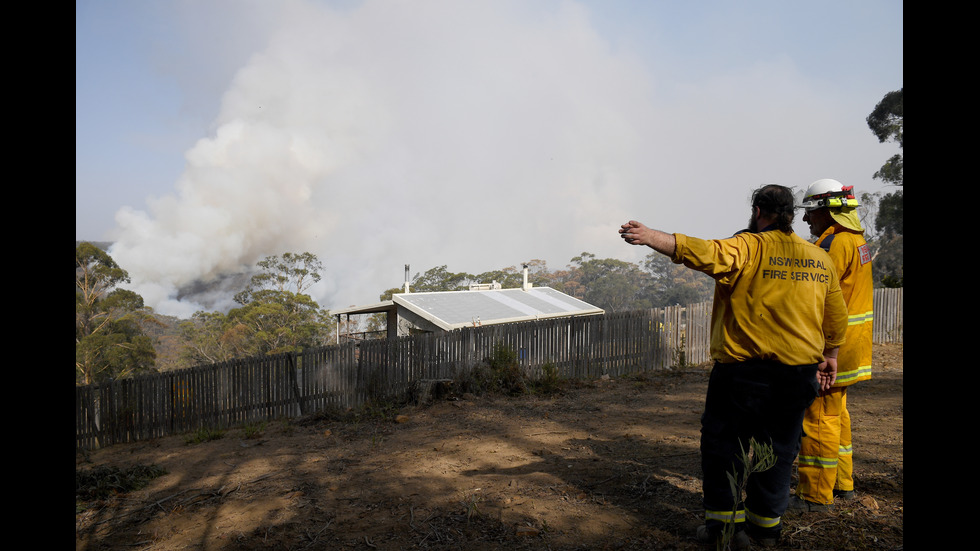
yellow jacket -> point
(777, 297)
(852, 260)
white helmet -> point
(828, 193)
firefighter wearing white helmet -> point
(838, 199)
(824, 464)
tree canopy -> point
(887, 123)
(109, 337)
(276, 315)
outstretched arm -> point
(636, 233)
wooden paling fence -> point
(888, 312)
(220, 395)
(339, 377)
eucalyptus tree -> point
(674, 284)
(109, 321)
(276, 315)
(887, 122)
(611, 284)
(440, 279)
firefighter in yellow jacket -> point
(778, 320)
(825, 466)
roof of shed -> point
(455, 309)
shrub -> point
(204, 434)
(254, 430)
(549, 383)
(103, 482)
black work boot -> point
(740, 540)
(798, 505)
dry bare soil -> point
(604, 464)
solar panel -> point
(453, 309)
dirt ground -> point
(604, 464)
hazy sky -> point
(478, 134)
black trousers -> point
(758, 399)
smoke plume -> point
(473, 134)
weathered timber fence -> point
(220, 395)
(889, 316)
(251, 390)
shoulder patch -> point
(864, 253)
(825, 244)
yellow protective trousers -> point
(824, 463)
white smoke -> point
(426, 133)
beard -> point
(753, 225)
